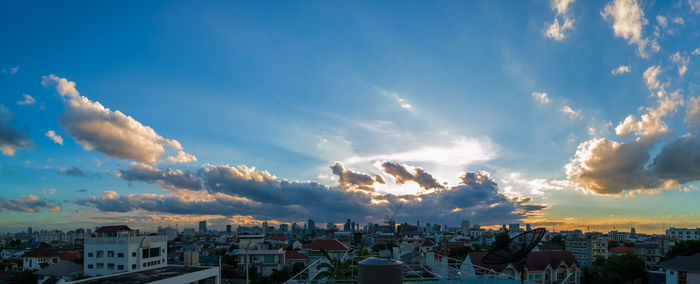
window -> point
(133, 254)
(269, 259)
(120, 267)
(100, 253)
(121, 254)
(90, 254)
(90, 266)
(110, 253)
(110, 266)
(133, 266)
(100, 265)
(163, 251)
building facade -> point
(116, 250)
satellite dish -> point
(515, 250)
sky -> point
(565, 114)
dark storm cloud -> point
(242, 191)
(11, 139)
(30, 204)
(349, 178)
(402, 175)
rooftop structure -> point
(167, 274)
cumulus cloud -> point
(627, 19)
(242, 191)
(604, 166)
(11, 139)
(694, 6)
(678, 21)
(621, 70)
(73, 171)
(54, 137)
(402, 175)
(110, 132)
(696, 51)
(30, 204)
(350, 179)
(681, 61)
(662, 21)
(562, 22)
(540, 97)
(573, 114)
(28, 100)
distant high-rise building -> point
(311, 227)
(633, 231)
(330, 226)
(527, 227)
(514, 228)
(346, 227)
(29, 231)
(284, 227)
(465, 225)
(264, 228)
(203, 226)
(228, 228)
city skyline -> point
(565, 114)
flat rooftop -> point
(143, 276)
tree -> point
(684, 248)
(280, 276)
(297, 267)
(622, 269)
(501, 239)
(558, 239)
(459, 252)
(334, 268)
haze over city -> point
(568, 115)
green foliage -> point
(378, 247)
(558, 239)
(280, 276)
(623, 269)
(459, 252)
(628, 244)
(501, 239)
(684, 248)
(334, 268)
(613, 244)
(297, 267)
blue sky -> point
(292, 88)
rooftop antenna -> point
(515, 250)
(390, 220)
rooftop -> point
(113, 229)
(683, 263)
(326, 244)
(144, 276)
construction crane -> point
(390, 220)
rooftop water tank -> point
(380, 271)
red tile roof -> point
(292, 254)
(70, 255)
(622, 249)
(40, 252)
(535, 261)
(113, 229)
(327, 244)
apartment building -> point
(582, 249)
(115, 249)
(683, 234)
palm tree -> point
(334, 268)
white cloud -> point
(663, 22)
(110, 132)
(678, 20)
(627, 22)
(573, 114)
(395, 96)
(556, 30)
(694, 6)
(182, 157)
(14, 70)
(650, 76)
(462, 151)
(621, 69)
(28, 100)
(696, 51)
(540, 97)
(681, 61)
(54, 137)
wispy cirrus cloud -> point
(11, 139)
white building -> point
(682, 269)
(683, 234)
(38, 258)
(117, 249)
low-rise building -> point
(582, 250)
(115, 249)
(39, 258)
(540, 267)
(683, 234)
(682, 269)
